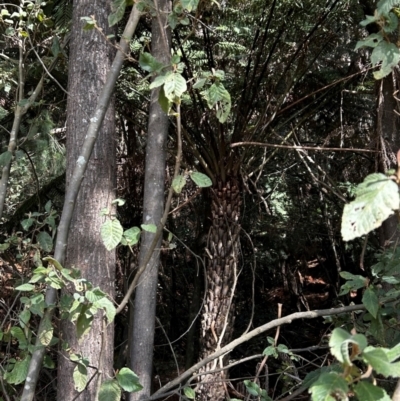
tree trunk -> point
(142, 316)
(388, 133)
(90, 59)
(218, 313)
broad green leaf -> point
(200, 83)
(95, 294)
(148, 63)
(109, 308)
(217, 96)
(158, 81)
(190, 5)
(189, 392)
(151, 228)
(353, 282)
(366, 391)
(83, 323)
(24, 318)
(19, 371)
(163, 101)
(379, 361)
(48, 362)
(132, 235)
(329, 387)
(200, 179)
(341, 340)
(393, 353)
(54, 262)
(178, 183)
(370, 301)
(17, 333)
(5, 158)
(128, 380)
(271, 350)
(111, 233)
(388, 54)
(173, 20)
(110, 391)
(27, 223)
(370, 41)
(55, 46)
(376, 199)
(252, 388)
(118, 10)
(25, 287)
(174, 87)
(45, 331)
(80, 377)
(45, 241)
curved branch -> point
(244, 338)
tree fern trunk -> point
(218, 313)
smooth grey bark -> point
(142, 315)
(72, 193)
(89, 62)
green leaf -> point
(379, 361)
(174, 87)
(83, 323)
(132, 235)
(110, 391)
(17, 333)
(45, 331)
(158, 81)
(393, 353)
(217, 96)
(45, 241)
(329, 387)
(388, 54)
(178, 183)
(25, 287)
(95, 294)
(151, 228)
(24, 318)
(376, 199)
(252, 388)
(27, 223)
(189, 392)
(163, 101)
(5, 158)
(118, 10)
(353, 282)
(148, 63)
(372, 40)
(19, 371)
(128, 380)
(190, 5)
(109, 308)
(54, 262)
(111, 233)
(341, 340)
(370, 301)
(200, 179)
(366, 391)
(80, 377)
(200, 83)
(55, 46)
(271, 350)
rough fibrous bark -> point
(218, 314)
(90, 59)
